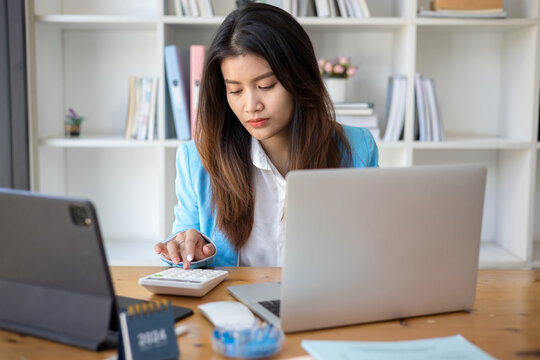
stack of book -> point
(193, 8)
(330, 8)
(465, 9)
(429, 121)
(358, 115)
(395, 107)
(141, 113)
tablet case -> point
(54, 278)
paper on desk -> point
(447, 348)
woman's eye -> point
(235, 92)
(267, 87)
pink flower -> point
(351, 71)
(339, 69)
(328, 67)
(343, 60)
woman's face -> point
(257, 98)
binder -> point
(196, 60)
(177, 91)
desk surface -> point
(505, 321)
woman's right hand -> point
(185, 247)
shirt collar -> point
(258, 156)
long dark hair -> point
(317, 141)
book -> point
(206, 8)
(364, 108)
(366, 111)
(357, 105)
(395, 107)
(357, 8)
(436, 120)
(342, 8)
(196, 64)
(359, 121)
(365, 9)
(141, 113)
(332, 7)
(469, 14)
(400, 114)
(427, 113)
(433, 115)
(420, 113)
(322, 9)
(466, 4)
(131, 107)
(194, 7)
(178, 8)
(153, 104)
(177, 91)
(144, 108)
(451, 347)
(134, 108)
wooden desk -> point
(505, 322)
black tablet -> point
(54, 278)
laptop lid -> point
(364, 245)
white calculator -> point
(177, 281)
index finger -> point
(193, 239)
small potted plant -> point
(73, 123)
(335, 74)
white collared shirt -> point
(265, 243)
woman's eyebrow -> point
(260, 77)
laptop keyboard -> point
(272, 306)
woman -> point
(263, 111)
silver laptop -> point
(364, 245)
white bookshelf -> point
(486, 73)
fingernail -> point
(189, 257)
(176, 260)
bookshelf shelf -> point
(473, 142)
(460, 25)
(96, 141)
(347, 23)
(209, 21)
(90, 22)
(486, 74)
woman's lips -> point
(256, 123)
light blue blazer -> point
(193, 190)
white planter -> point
(336, 89)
